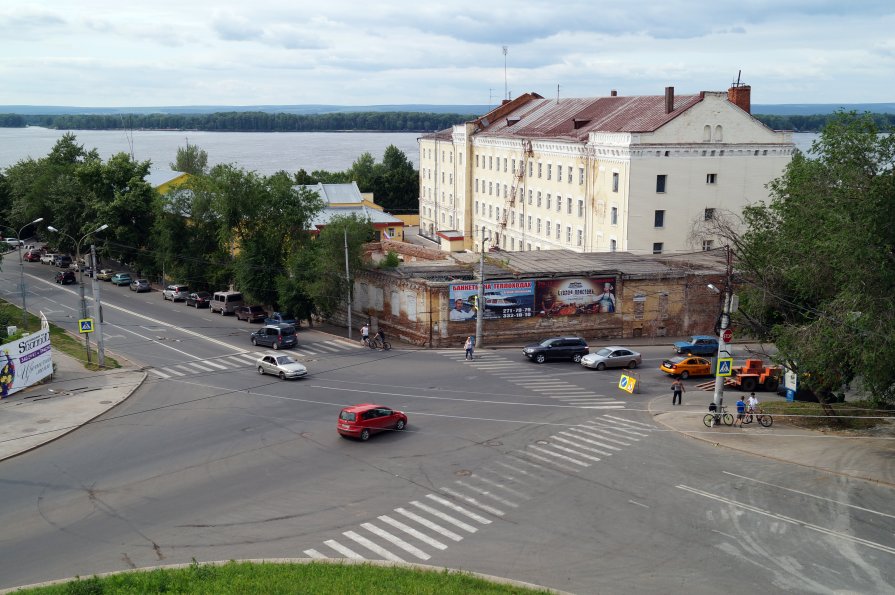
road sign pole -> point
(722, 348)
(98, 324)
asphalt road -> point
(546, 474)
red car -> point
(31, 256)
(362, 421)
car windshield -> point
(605, 352)
(347, 416)
(285, 359)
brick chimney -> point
(740, 95)
(669, 100)
(613, 93)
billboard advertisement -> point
(578, 296)
(25, 362)
(503, 299)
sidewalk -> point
(45, 412)
(865, 457)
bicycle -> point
(763, 418)
(377, 343)
(715, 419)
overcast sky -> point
(196, 52)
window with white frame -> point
(568, 234)
(530, 195)
(548, 201)
(549, 171)
(659, 218)
(708, 244)
(580, 237)
(657, 247)
(580, 176)
(558, 230)
(615, 181)
(547, 228)
(539, 225)
(570, 174)
(531, 166)
(490, 187)
(661, 180)
(539, 198)
(580, 207)
(612, 245)
(529, 223)
(497, 213)
(540, 168)
(558, 203)
(476, 207)
(504, 164)
(490, 210)
(613, 216)
(568, 205)
(490, 162)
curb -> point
(339, 561)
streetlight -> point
(81, 274)
(22, 269)
(480, 302)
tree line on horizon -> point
(244, 121)
(332, 122)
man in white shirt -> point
(365, 334)
(753, 403)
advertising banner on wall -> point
(503, 299)
(25, 362)
(578, 296)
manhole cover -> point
(493, 443)
(542, 442)
(463, 473)
(43, 421)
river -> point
(263, 152)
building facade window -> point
(710, 178)
(568, 234)
(580, 207)
(529, 223)
(530, 194)
(708, 244)
(504, 164)
(657, 247)
(490, 210)
(490, 187)
(612, 245)
(490, 162)
(613, 216)
(615, 181)
(580, 237)
(709, 214)
(659, 218)
(476, 207)
(559, 204)
(547, 228)
(661, 180)
(539, 198)
(580, 176)
(540, 168)
(558, 230)
(539, 225)
(570, 174)
(549, 171)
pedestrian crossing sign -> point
(85, 325)
(725, 366)
(627, 383)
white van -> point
(225, 302)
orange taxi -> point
(686, 366)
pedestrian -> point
(753, 403)
(469, 347)
(365, 334)
(677, 389)
(741, 412)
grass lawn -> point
(857, 415)
(59, 338)
(317, 578)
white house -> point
(598, 174)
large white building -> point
(597, 174)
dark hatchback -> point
(251, 313)
(276, 336)
(65, 277)
(557, 348)
(198, 299)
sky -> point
(98, 53)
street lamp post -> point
(22, 270)
(725, 324)
(480, 302)
(81, 274)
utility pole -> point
(506, 93)
(100, 345)
(480, 301)
(725, 324)
(348, 282)
(22, 269)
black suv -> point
(573, 348)
(276, 336)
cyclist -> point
(741, 412)
(380, 338)
(753, 404)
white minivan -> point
(225, 302)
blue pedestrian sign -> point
(725, 366)
(85, 325)
(627, 383)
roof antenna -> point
(739, 73)
(557, 93)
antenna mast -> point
(506, 93)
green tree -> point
(818, 261)
(191, 159)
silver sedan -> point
(612, 357)
(283, 366)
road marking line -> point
(445, 517)
(550, 462)
(581, 446)
(159, 373)
(638, 504)
(780, 517)
(559, 456)
(314, 554)
(601, 436)
(411, 531)
(631, 421)
(773, 485)
(499, 486)
(460, 509)
(598, 426)
(575, 452)
(304, 350)
(470, 500)
(524, 472)
(201, 367)
(372, 546)
(611, 432)
(427, 523)
(347, 553)
(394, 539)
(215, 365)
(486, 493)
(173, 371)
(589, 441)
(233, 360)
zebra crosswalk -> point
(243, 359)
(430, 524)
(528, 377)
